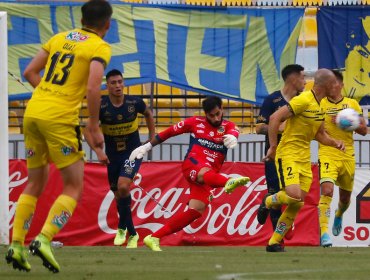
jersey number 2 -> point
(55, 59)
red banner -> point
(161, 191)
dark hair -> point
(211, 102)
(338, 74)
(290, 69)
(113, 72)
(95, 13)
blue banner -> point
(343, 37)
(236, 53)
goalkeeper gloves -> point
(230, 141)
(141, 151)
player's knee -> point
(123, 190)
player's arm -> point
(93, 102)
(148, 115)
(33, 70)
(324, 138)
(177, 129)
(276, 119)
(362, 129)
(102, 157)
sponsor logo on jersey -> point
(30, 153)
(200, 131)
(276, 100)
(221, 129)
(76, 36)
(201, 125)
(67, 150)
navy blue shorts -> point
(272, 179)
(122, 168)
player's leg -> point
(176, 223)
(37, 176)
(296, 178)
(273, 186)
(327, 188)
(127, 173)
(65, 149)
(345, 182)
(214, 179)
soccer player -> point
(73, 64)
(294, 82)
(335, 167)
(293, 159)
(210, 138)
(119, 122)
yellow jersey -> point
(63, 85)
(301, 128)
(330, 110)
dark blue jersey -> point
(270, 105)
(120, 125)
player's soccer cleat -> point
(132, 241)
(337, 226)
(17, 255)
(263, 211)
(120, 237)
(152, 243)
(41, 247)
(275, 248)
(325, 240)
(233, 183)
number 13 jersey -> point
(63, 86)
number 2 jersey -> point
(206, 141)
(63, 86)
(120, 126)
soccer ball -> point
(348, 119)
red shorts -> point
(190, 170)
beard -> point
(217, 123)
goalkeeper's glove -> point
(230, 141)
(140, 152)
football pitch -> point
(198, 263)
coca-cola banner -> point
(159, 192)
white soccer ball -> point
(348, 119)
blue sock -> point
(274, 216)
(125, 216)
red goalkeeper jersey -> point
(206, 142)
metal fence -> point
(250, 149)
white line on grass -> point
(239, 276)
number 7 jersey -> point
(63, 85)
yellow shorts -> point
(339, 172)
(46, 141)
(292, 172)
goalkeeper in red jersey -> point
(210, 138)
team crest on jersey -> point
(30, 153)
(131, 109)
(76, 36)
(119, 117)
(192, 175)
(211, 133)
(67, 150)
(221, 129)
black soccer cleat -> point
(275, 248)
(263, 211)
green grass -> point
(193, 263)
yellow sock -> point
(23, 217)
(341, 209)
(59, 215)
(279, 199)
(285, 222)
(324, 213)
